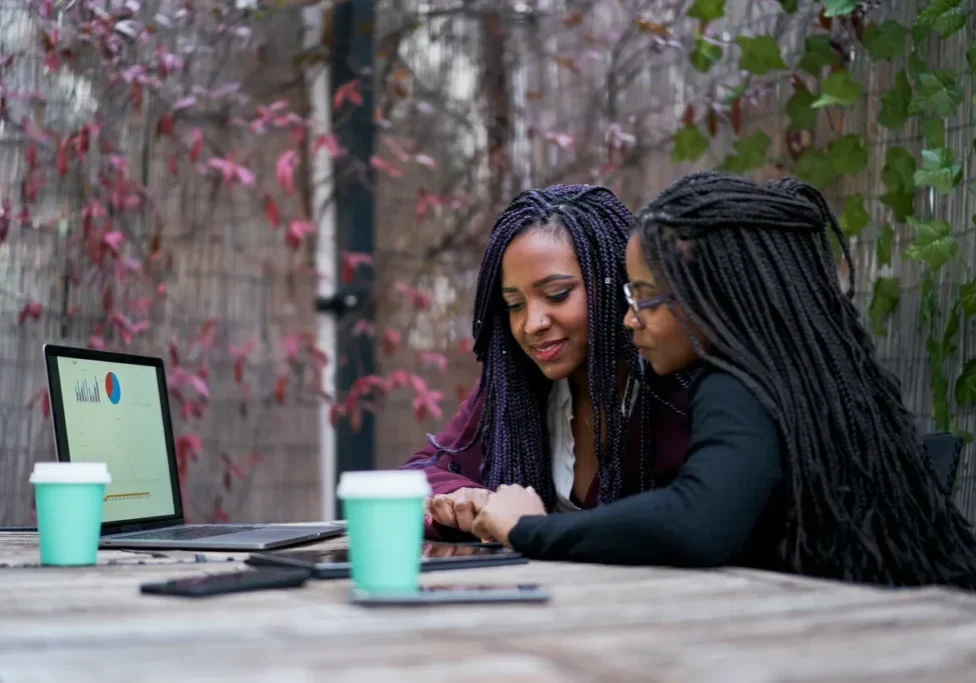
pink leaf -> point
(562, 140)
(425, 161)
(382, 165)
(232, 171)
(391, 340)
(271, 211)
(199, 385)
(417, 299)
(285, 170)
(363, 328)
(113, 240)
(347, 92)
(438, 360)
(329, 143)
(196, 145)
(30, 310)
(297, 231)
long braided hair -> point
(513, 422)
(751, 267)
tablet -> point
(333, 563)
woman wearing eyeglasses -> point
(565, 406)
(802, 456)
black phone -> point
(333, 563)
(453, 594)
(232, 582)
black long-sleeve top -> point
(724, 507)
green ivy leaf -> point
(705, 55)
(801, 112)
(971, 58)
(707, 10)
(885, 241)
(818, 53)
(933, 132)
(814, 168)
(967, 298)
(751, 154)
(895, 103)
(934, 244)
(916, 65)
(898, 175)
(884, 301)
(760, 55)
(966, 384)
(689, 145)
(847, 154)
(840, 8)
(938, 170)
(936, 91)
(789, 6)
(838, 88)
(944, 16)
(885, 41)
(854, 217)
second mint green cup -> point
(384, 513)
(69, 497)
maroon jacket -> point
(449, 472)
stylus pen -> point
(17, 528)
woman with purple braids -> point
(565, 405)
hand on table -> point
(504, 509)
(457, 509)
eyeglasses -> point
(638, 305)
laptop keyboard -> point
(187, 533)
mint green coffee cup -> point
(68, 497)
(384, 513)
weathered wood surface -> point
(604, 623)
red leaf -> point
(30, 310)
(428, 403)
(164, 126)
(391, 340)
(30, 156)
(108, 298)
(689, 115)
(62, 157)
(466, 345)
(174, 354)
(44, 399)
(271, 211)
(285, 170)
(461, 392)
(280, 388)
(347, 92)
(96, 342)
(351, 260)
(425, 201)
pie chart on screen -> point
(112, 387)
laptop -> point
(114, 408)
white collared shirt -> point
(559, 420)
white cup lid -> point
(383, 484)
(70, 473)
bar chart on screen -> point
(112, 414)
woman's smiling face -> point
(543, 288)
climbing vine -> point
(822, 88)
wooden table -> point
(604, 623)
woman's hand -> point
(457, 509)
(504, 509)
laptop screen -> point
(112, 414)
